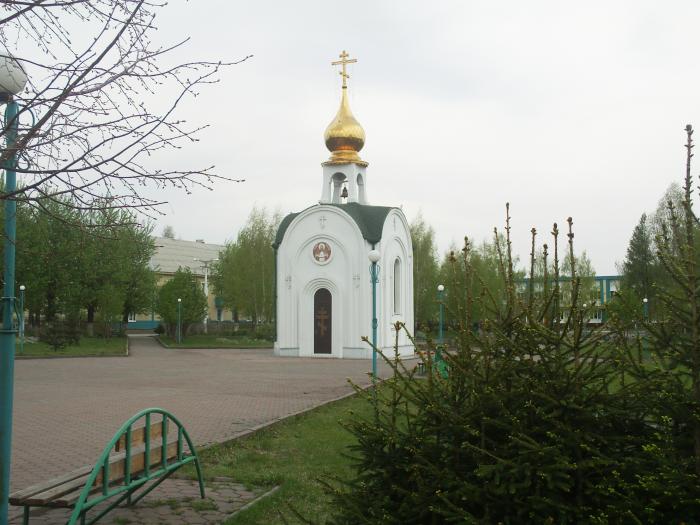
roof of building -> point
(172, 254)
(370, 220)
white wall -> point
(347, 276)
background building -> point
(172, 254)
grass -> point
(294, 454)
(215, 341)
(201, 505)
(89, 346)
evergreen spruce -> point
(675, 339)
(641, 266)
(540, 418)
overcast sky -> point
(560, 108)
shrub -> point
(265, 332)
(537, 421)
(60, 333)
(193, 304)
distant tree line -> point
(644, 273)
(478, 268)
(244, 276)
(82, 268)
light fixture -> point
(12, 75)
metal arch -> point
(130, 486)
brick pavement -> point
(174, 502)
(66, 410)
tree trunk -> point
(90, 325)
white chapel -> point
(324, 285)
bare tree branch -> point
(95, 113)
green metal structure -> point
(9, 330)
(374, 274)
(158, 464)
(178, 335)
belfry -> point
(324, 290)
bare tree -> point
(99, 108)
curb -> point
(252, 430)
(256, 500)
(161, 343)
(32, 357)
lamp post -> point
(179, 321)
(374, 257)
(21, 317)
(646, 308)
(205, 265)
(12, 82)
(645, 302)
(441, 296)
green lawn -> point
(89, 346)
(294, 454)
(215, 341)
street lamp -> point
(179, 321)
(645, 302)
(374, 257)
(21, 317)
(12, 82)
(441, 296)
(205, 265)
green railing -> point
(125, 485)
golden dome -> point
(344, 136)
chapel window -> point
(397, 286)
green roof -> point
(370, 220)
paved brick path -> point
(174, 502)
(66, 410)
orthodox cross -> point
(343, 62)
(288, 280)
(322, 220)
(356, 280)
(322, 317)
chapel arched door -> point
(323, 322)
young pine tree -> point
(536, 421)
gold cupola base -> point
(344, 157)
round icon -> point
(322, 251)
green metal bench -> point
(136, 459)
(436, 360)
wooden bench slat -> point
(18, 497)
(68, 498)
(49, 497)
(138, 435)
(59, 492)
(117, 469)
(116, 472)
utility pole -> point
(206, 264)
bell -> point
(344, 195)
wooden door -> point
(323, 310)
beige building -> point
(198, 256)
